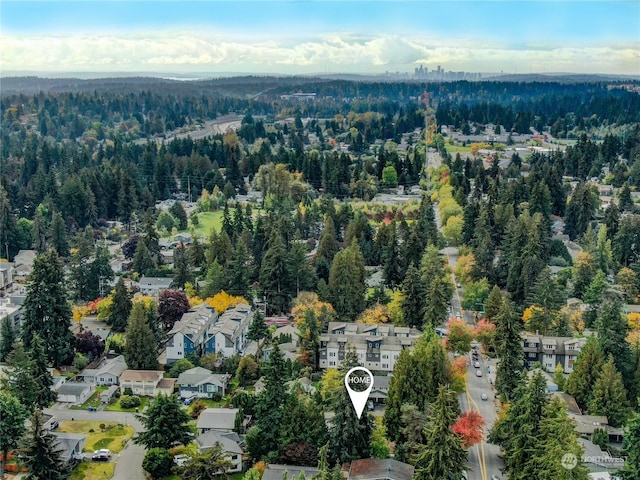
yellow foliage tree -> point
(79, 312)
(331, 383)
(104, 307)
(374, 315)
(223, 301)
(394, 308)
(464, 266)
(145, 300)
(634, 320)
(308, 300)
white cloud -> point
(339, 52)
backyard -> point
(93, 471)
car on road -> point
(102, 455)
(478, 373)
(484, 396)
(476, 364)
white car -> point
(101, 455)
(478, 373)
(476, 364)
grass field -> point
(457, 148)
(113, 437)
(93, 471)
(207, 221)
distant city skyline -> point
(320, 36)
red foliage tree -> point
(469, 427)
(171, 305)
(89, 344)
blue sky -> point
(318, 36)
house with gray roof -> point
(192, 333)
(276, 472)
(107, 373)
(377, 469)
(229, 336)
(377, 346)
(221, 419)
(74, 392)
(70, 446)
(229, 442)
(154, 285)
(202, 383)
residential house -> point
(551, 351)
(229, 335)
(229, 442)
(202, 383)
(147, 383)
(107, 373)
(304, 384)
(11, 307)
(193, 333)
(70, 446)
(586, 424)
(380, 389)
(220, 419)
(74, 392)
(379, 469)
(6, 277)
(288, 332)
(23, 262)
(276, 472)
(154, 285)
(377, 346)
(288, 350)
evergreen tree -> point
(39, 453)
(391, 261)
(309, 338)
(8, 230)
(303, 430)
(609, 397)
(509, 350)
(207, 465)
(181, 270)
(548, 297)
(518, 431)
(441, 456)
(437, 301)
(557, 439)
(178, 211)
(328, 245)
(20, 383)
(214, 281)
(165, 423)
(349, 436)
(58, 235)
(258, 330)
(238, 272)
(494, 302)
(303, 275)
(140, 349)
(612, 329)
(99, 274)
(143, 261)
(586, 369)
(631, 446)
(46, 309)
(8, 337)
(12, 425)
(413, 297)
(120, 307)
(346, 283)
(426, 222)
(275, 275)
(43, 396)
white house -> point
(229, 442)
(73, 392)
(147, 383)
(229, 336)
(154, 285)
(107, 373)
(202, 383)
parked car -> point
(102, 455)
(478, 373)
(53, 425)
(189, 400)
(484, 396)
(476, 364)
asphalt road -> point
(129, 460)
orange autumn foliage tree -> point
(469, 427)
(485, 333)
(223, 301)
(308, 300)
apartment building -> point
(377, 346)
(551, 351)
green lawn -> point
(207, 221)
(457, 148)
(92, 401)
(115, 407)
(93, 471)
(113, 437)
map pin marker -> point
(358, 398)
